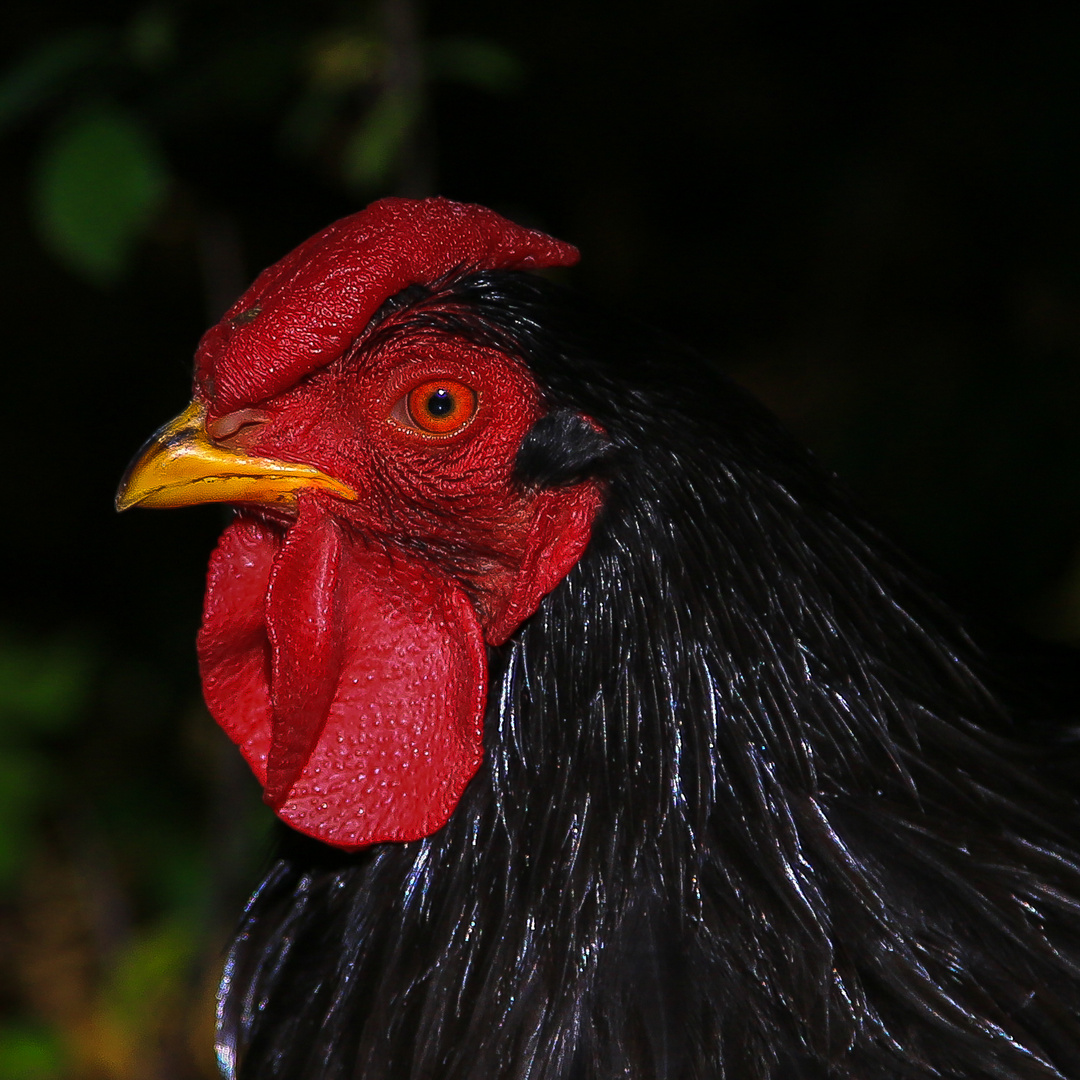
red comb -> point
(306, 309)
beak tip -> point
(125, 498)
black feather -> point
(748, 809)
(561, 448)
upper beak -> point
(180, 465)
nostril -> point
(229, 424)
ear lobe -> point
(557, 539)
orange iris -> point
(441, 406)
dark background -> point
(871, 217)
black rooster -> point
(746, 808)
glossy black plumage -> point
(748, 809)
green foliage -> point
(372, 151)
(26, 779)
(342, 62)
(100, 181)
(347, 95)
(475, 62)
(30, 1052)
(43, 689)
(150, 972)
(46, 71)
(151, 36)
(43, 685)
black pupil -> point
(441, 403)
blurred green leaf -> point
(476, 62)
(23, 787)
(151, 35)
(43, 686)
(30, 1052)
(46, 71)
(344, 61)
(244, 78)
(100, 180)
(22, 775)
(178, 878)
(371, 154)
(151, 970)
(307, 122)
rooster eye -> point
(440, 407)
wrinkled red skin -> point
(343, 648)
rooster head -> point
(383, 537)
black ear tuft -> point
(561, 448)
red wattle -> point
(306, 633)
(376, 742)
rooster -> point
(614, 742)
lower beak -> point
(180, 465)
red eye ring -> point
(441, 407)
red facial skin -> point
(343, 648)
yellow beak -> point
(181, 465)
